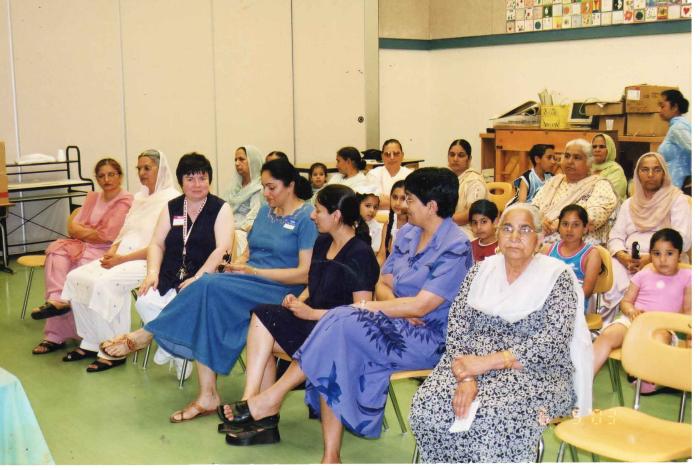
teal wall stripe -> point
(641, 29)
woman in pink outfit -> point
(92, 228)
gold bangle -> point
(508, 359)
(467, 379)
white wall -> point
(465, 87)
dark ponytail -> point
(340, 197)
(282, 170)
(353, 155)
(390, 223)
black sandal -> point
(100, 366)
(49, 346)
(48, 310)
(75, 355)
(255, 435)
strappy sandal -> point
(76, 355)
(100, 366)
(49, 346)
(121, 339)
(179, 416)
(48, 310)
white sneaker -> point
(179, 364)
(162, 357)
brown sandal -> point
(180, 415)
(121, 339)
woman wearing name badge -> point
(677, 145)
(518, 353)
(208, 321)
(245, 196)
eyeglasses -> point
(656, 170)
(522, 231)
(111, 174)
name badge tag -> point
(289, 223)
(289, 226)
(178, 221)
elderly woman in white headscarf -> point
(578, 186)
(518, 354)
(245, 194)
(99, 291)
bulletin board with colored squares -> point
(543, 15)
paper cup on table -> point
(609, 124)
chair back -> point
(649, 359)
(605, 279)
(500, 192)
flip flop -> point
(49, 346)
(74, 355)
(100, 366)
(201, 411)
(48, 310)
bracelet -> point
(467, 379)
(508, 359)
(363, 304)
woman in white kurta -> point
(245, 194)
(99, 291)
(655, 204)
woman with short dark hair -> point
(677, 145)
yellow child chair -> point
(500, 192)
(627, 434)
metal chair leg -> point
(397, 410)
(681, 412)
(540, 450)
(146, 354)
(614, 368)
(26, 293)
(574, 453)
(183, 374)
(595, 458)
(241, 362)
(560, 453)
(385, 424)
(416, 455)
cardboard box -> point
(644, 98)
(612, 123)
(648, 125)
(605, 108)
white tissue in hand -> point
(463, 424)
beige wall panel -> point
(68, 77)
(498, 17)
(254, 93)
(8, 126)
(404, 19)
(169, 78)
(459, 18)
(471, 85)
(329, 88)
(404, 100)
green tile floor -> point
(121, 416)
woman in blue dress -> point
(677, 145)
(208, 321)
(353, 350)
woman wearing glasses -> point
(577, 186)
(518, 353)
(655, 204)
(92, 229)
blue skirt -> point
(208, 320)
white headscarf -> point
(238, 193)
(491, 293)
(140, 220)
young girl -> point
(582, 257)
(318, 174)
(663, 286)
(483, 219)
(397, 218)
(369, 204)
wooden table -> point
(506, 149)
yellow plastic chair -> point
(603, 284)
(32, 262)
(627, 434)
(500, 192)
(382, 217)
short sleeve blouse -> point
(275, 242)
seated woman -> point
(661, 287)
(353, 350)
(605, 164)
(472, 185)
(208, 321)
(384, 177)
(182, 248)
(577, 186)
(518, 354)
(656, 204)
(99, 291)
(350, 167)
(92, 229)
(397, 218)
(244, 195)
(343, 270)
